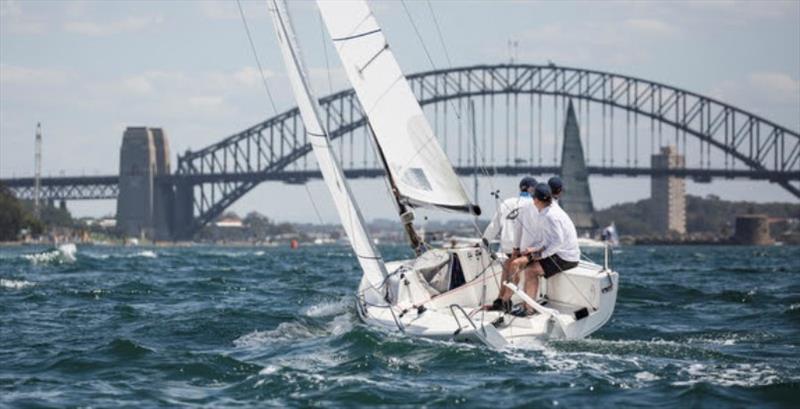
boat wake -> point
(328, 308)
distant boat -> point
(610, 236)
(588, 242)
(441, 293)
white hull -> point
(445, 315)
(586, 242)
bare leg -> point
(506, 274)
(514, 267)
(532, 274)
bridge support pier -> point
(182, 210)
(144, 205)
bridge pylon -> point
(577, 199)
(145, 202)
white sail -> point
(368, 256)
(417, 164)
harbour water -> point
(700, 327)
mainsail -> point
(352, 221)
(417, 165)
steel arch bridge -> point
(745, 145)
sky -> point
(89, 69)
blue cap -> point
(526, 183)
(542, 192)
(555, 184)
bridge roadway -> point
(106, 186)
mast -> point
(406, 214)
(350, 215)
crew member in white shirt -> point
(556, 187)
(557, 249)
(505, 223)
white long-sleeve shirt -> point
(529, 232)
(505, 221)
(558, 234)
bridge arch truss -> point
(727, 141)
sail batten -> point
(352, 221)
(419, 168)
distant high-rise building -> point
(577, 197)
(668, 193)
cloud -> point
(18, 75)
(742, 12)
(586, 43)
(774, 95)
(138, 85)
(94, 28)
(779, 86)
(650, 26)
(228, 10)
(10, 8)
(14, 20)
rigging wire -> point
(439, 32)
(269, 95)
(425, 48)
(313, 203)
(255, 54)
(325, 51)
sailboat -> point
(440, 293)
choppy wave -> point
(328, 308)
(145, 254)
(747, 375)
(15, 284)
(285, 331)
(64, 253)
(222, 327)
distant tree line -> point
(255, 227)
(703, 215)
(18, 215)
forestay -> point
(417, 164)
(352, 221)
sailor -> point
(557, 249)
(506, 224)
(556, 187)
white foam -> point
(269, 370)
(341, 324)
(645, 376)
(64, 253)
(285, 331)
(15, 284)
(328, 308)
(145, 254)
(747, 375)
(68, 251)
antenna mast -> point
(38, 165)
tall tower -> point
(145, 202)
(137, 166)
(37, 187)
(668, 193)
(577, 197)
